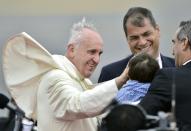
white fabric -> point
(186, 62)
(52, 87)
(64, 95)
(159, 60)
(24, 61)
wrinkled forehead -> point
(90, 38)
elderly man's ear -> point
(70, 50)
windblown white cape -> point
(24, 62)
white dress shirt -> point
(159, 60)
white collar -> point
(65, 64)
(159, 60)
(186, 62)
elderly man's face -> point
(143, 39)
(86, 55)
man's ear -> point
(71, 50)
(157, 28)
(186, 44)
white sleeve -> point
(69, 102)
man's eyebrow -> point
(133, 36)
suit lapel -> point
(166, 62)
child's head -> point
(124, 117)
(142, 67)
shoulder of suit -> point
(167, 57)
(119, 62)
(167, 61)
(167, 70)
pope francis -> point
(55, 89)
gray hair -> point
(76, 31)
(185, 31)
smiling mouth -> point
(92, 67)
(145, 49)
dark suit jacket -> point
(113, 70)
(159, 94)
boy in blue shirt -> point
(142, 68)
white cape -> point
(24, 62)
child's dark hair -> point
(142, 67)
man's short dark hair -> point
(142, 67)
(137, 15)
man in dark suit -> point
(174, 82)
(142, 35)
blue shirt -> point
(132, 91)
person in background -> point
(142, 69)
(173, 84)
(142, 34)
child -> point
(142, 69)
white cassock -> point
(49, 88)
